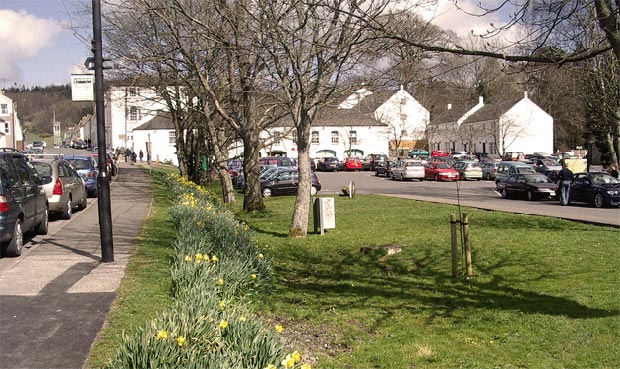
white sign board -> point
(324, 214)
(82, 87)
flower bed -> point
(216, 269)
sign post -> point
(324, 214)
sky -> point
(39, 47)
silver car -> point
(408, 169)
(468, 170)
(63, 186)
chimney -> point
(481, 100)
(449, 106)
(525, 94)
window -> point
(334, 137)
(134, 113)
(6, 127)
(172, 137)
(133, 91)
(492, 149)
(314, 137)
(353, 136)
(276, 138)
(4, 109)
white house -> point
(364, 123)
(10, 127)
(493, 129)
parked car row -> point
(332, 164)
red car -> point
(352, 164)
(440, 171)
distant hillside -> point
(36, 107)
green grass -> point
(145, 291)
(544, 295)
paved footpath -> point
(55, 298)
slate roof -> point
(449, 115)
(160, 121)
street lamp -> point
(103, 181)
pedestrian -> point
(133, 157)
(127, 154)
(141, 155)
(565, 179)
(613, 171)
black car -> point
(285, 182)
(531, 186)
(328, 165)
(23, 203)
(596, 188)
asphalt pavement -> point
(55, 298)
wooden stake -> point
(455, 249)
(468, 264)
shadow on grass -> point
(361, 282)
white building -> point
(364, 123)
(517, 125)
(10, 127)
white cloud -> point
(23, 37)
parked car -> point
(468, 170)
(64, 188)
(86, 166)
(285, 182)
(489, 168)
(508, 168)
(440, 171)
(373, 160)
(79, 144)
(23, 204)
(442, 159)
(385, 169)
(530, 186)
(276, 161)
(111, 167)
(596, 188)
(408, 169)
(329, 164)
(351, 164)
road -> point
(479, 194)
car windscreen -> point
(442, 166)
(602, 178)
(536, 178)
(80, 164)
(43, 169)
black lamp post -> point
(103, 181)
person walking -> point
(141, 155)
(565, 179)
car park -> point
(489, 168)
(64, 188)
(532, 186)
(507, 168)
(351, 164)
(408, 169)
(329, 164)
(596, 188)
(373, 160)
(440, 171)
(285, 182)
(468, 170)
(86, 166)
(23, 204)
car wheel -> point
(267, 192)
(504, 193)
(313, 191)
(436, 178)
(67, 211)
(14, 248)
(376, 173)
(43, 226)
(497, 185)
(531, 196)
(599, 201)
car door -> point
(579, 188)
(29, 192)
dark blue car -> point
(596, 188)
(86, 167)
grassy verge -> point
(544, 294)
(145, 291)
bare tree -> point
(313, 45)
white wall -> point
(404, 115)
(529, 129)
(160, 145)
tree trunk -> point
(299, 223)
(252, 197)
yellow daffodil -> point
(162, 334)
(181, 341)
(279, 328)
(222, 305)
(188, 258)
(220, 282)
(260, 256)
(305, 366)
(223, 324)
(288, 362)
(296, 356)
(199, 256)
(214, 259)
(242, 319)
(253, 276)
